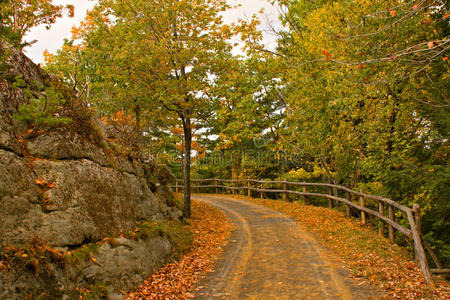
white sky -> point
(53, 39)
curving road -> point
(269, 256)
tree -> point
(6, 32)
(156, 59)
(19, 16)
(248, 118)
(366, 87)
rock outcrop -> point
(67, 188)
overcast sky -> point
(53, 39)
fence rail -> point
(386, 208)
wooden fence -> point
(386, 214)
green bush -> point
(44, 107)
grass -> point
(177, 232)
(82, 254)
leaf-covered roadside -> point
(177, 280)
(370, 258)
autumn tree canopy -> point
(157, 62)
(17, 17)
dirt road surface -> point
(270, 256)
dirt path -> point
(270, 257)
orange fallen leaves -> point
(36, 254)
(3, 266)
(40, 181)
(177, 280)
(43, 183)
(51, 185)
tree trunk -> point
(16, 18)
(392, 121)
(138, 132)
(187, 166)
(137, 111)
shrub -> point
(44, 107)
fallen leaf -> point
(51, 185)
(40, 181)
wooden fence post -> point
(335, 193)
(284, 193)
(416, 211)
(330, 201)
(363, 213)
(217, 188)
(176, 186)
(347, 207)
(305, 201)
(261, 192)
(420, 252)
(416, 208)
(249, 192)
(380, 222)
(233, 184)
(391, 229)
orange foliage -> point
(121, 118)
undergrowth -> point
(83, 253)
(176, 231)
(36, 256)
